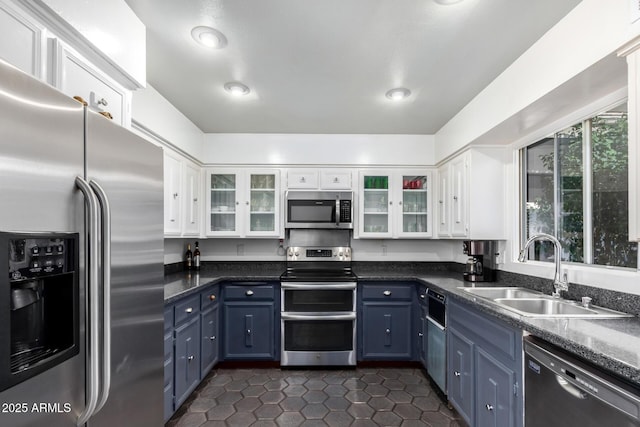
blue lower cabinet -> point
(385, 321)
(210, 339)
(249, 330)
(187, 359)
(460, 381)
(495, 392)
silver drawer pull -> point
(422, 296)
(189, 310)
(190, 358)
(489, 407)
(212, 338)
(388, 331)
(420, 334)
(249, 293)
(456, 373)
(386, 293)
(249, 331)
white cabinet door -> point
(262, 198)
(335, 179)
(302, 179)
(191, 201)
(223, 209)
(23, 41)
(75, 76)
(459, 200)
(412, 212)
(375, 204)
(444, 202)
(172, 194)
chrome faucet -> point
(558, 284)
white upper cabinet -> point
(23, 40)
(243, 203)
(319, 179)
(394, 204)
(182, 196)
(191, 202)
(74, 76)
(172, 194)
(471, 195)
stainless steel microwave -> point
(319, 209)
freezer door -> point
(41, 153)
(129, 170)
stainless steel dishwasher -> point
(561, 390)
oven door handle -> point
(436, 324)
(316, 285)
(346, 316)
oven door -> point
(318, 339)
(311, 297)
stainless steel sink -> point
(527, 302)
(506, 292)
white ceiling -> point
(324, 66)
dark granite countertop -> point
(613, 344)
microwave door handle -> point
(93, 306)
(337, 211)
(105, 385)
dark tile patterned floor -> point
(336, 398)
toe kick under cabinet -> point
(484, 367)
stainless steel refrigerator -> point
(64, 169)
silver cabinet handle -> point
(440, 201)
(102, 101)
(189, 310)
(420, 334)
(105, 385)
(212, 338)
(386, 293)
(247, 203)
(302, 180)
(489, 407)
(455, 197)
(387, 331)
(249, 331)
(249, 293)
(422, 296)
(175, 195)
(93, 344)
(195, 200)
(456, 373)
(336, 180)
(190, 358)
(237, 203)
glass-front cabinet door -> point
(224, 203)
(243, 202)
(375, 204)
(395, 204)
(264, 203)
(414, 218)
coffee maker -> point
(481, 265)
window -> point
(575, 187)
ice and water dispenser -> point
(39, 307)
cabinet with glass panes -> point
(243, 202)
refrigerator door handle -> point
(105, 384)
(93, 230)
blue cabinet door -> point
(386, 331)
(249, 330)
(210, 338)
(460, 374)
(187, 359)
(495, 404)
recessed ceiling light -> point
(447, 2)
(209, 37)
(236, 88)
(398, 93)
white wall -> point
(305, 149)
(151, 111)
(589, 34)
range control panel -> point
(297, 253)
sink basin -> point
(527, 302)
(548, 307)
(507, 292)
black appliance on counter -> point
(481, 265)
(39, 310)
(318, 300)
